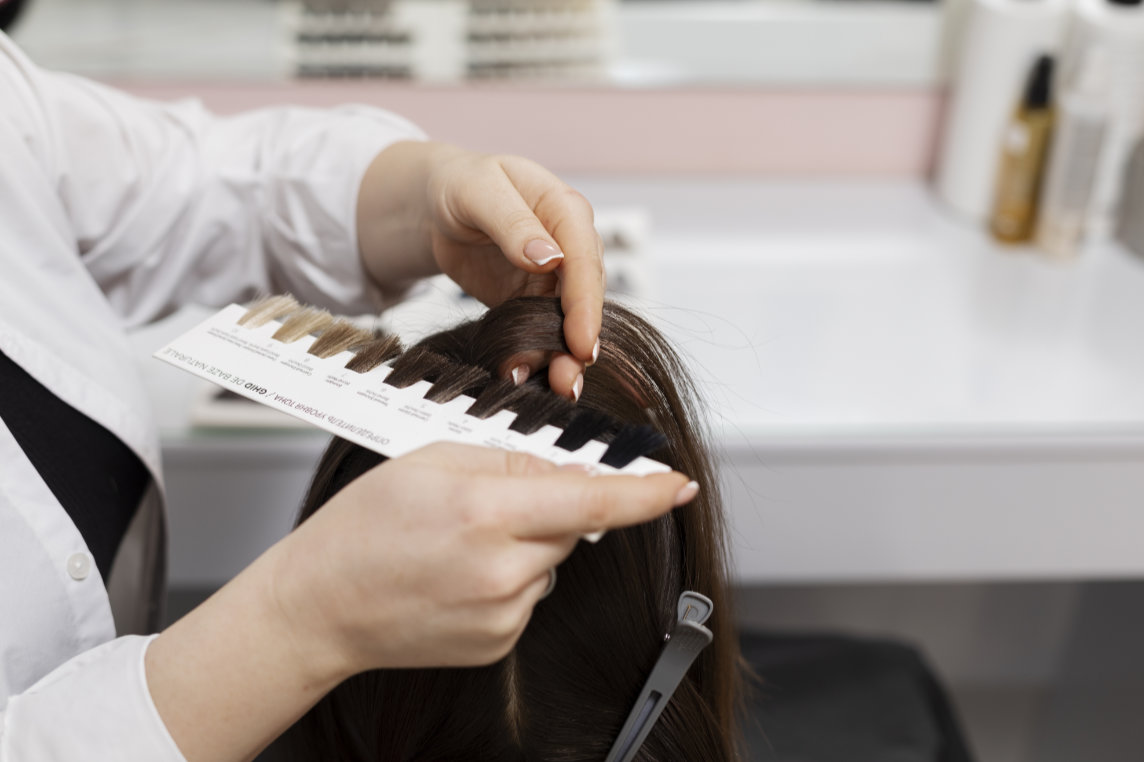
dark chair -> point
(831, 698)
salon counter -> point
(894, 397)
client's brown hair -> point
(565, 690)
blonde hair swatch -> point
(268, 308)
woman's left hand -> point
(500, 226)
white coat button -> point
(79, 565)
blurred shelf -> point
(876, 43)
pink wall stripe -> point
(575, 129)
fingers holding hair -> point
(567, 215)
(546, 229)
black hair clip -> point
(688, 637)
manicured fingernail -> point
(542, 252)
(594, 537)
(577, 387)
(595, 354)
(687, 493)
(519, 375)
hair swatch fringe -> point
(306, 321)
(381, 349)
(342, 335)
(268, 308)
(485, 352)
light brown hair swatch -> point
(339, 337)
(304, 322)
(382, 349)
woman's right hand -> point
(438, 557)
(432, 559)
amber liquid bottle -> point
(1024, 147)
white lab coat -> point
(113, 212)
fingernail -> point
(519, 375)
(595, 353)
(577, 387)
(542, 252)
(594, 537)
(687, 493)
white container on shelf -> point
(1118, 30)
(1002, 40)
(1083, 112)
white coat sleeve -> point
(126, 727)
(170, 204)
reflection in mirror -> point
(630, 43)
(454, 40)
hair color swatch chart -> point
(359, 407)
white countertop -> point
(896, 397)
(846, 311)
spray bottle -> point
(1083, 113)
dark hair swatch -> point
(564, 691)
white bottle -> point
(1130, 225)
(1117, 28)
(1083, 113)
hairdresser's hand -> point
(500, 226)
(437, 558)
